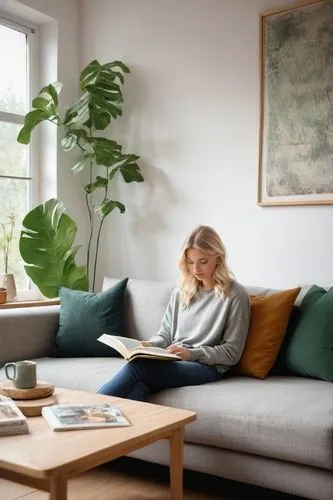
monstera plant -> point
(47, 239)
(47, 247)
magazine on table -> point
(12, 420)
(131, 348)
(84, 416)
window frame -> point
(33, 176)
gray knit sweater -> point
(213, 328)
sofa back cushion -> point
(269, 320)
(146, 301)
(145, 305)
(84, 316)
(309, 351)
(27, 332)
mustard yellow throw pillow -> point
(268, 325)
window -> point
(16, 172)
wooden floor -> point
(129, 479)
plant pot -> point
(3, 295)
(9, 283)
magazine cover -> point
(81, 416)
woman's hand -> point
(182, 352)
(145, 343)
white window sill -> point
(29, 303)
(29, 298)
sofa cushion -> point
(27, 332)
(310, 348)
(84, 316)
(85, 374)
(145, 304)
(268, 325)
(286, 418)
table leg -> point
(176, 463)
(58, 488)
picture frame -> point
(296, 105)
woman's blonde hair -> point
(207, 240)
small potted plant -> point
(7, 236)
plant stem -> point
(91, 221)
(3, 245)
(91, 231)
(96, 253)
(100, 228)
(10, 236)
(6, 257)
(6, 240)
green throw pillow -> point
(84, 316)
(310, 348)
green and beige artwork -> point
(298, 102)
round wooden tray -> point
(33, 407)
(42, 390)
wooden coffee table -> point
(46, 460)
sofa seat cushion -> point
(287, 418)
(85, 374)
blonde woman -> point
(206, 323)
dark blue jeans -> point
(141, 377)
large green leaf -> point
(106, 150)
(101, 99)
(92, 71)
(46, 246)
(45, 108)
(31, 120)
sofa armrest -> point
(27, 333)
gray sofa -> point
(276, 433)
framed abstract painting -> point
(296, 104)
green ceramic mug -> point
(24, 375)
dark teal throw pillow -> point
(84, 316)
(310, 348)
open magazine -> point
(12, 420)
(131, 348)
(83, 416)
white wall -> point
(192, 113)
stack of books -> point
(12, 420)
